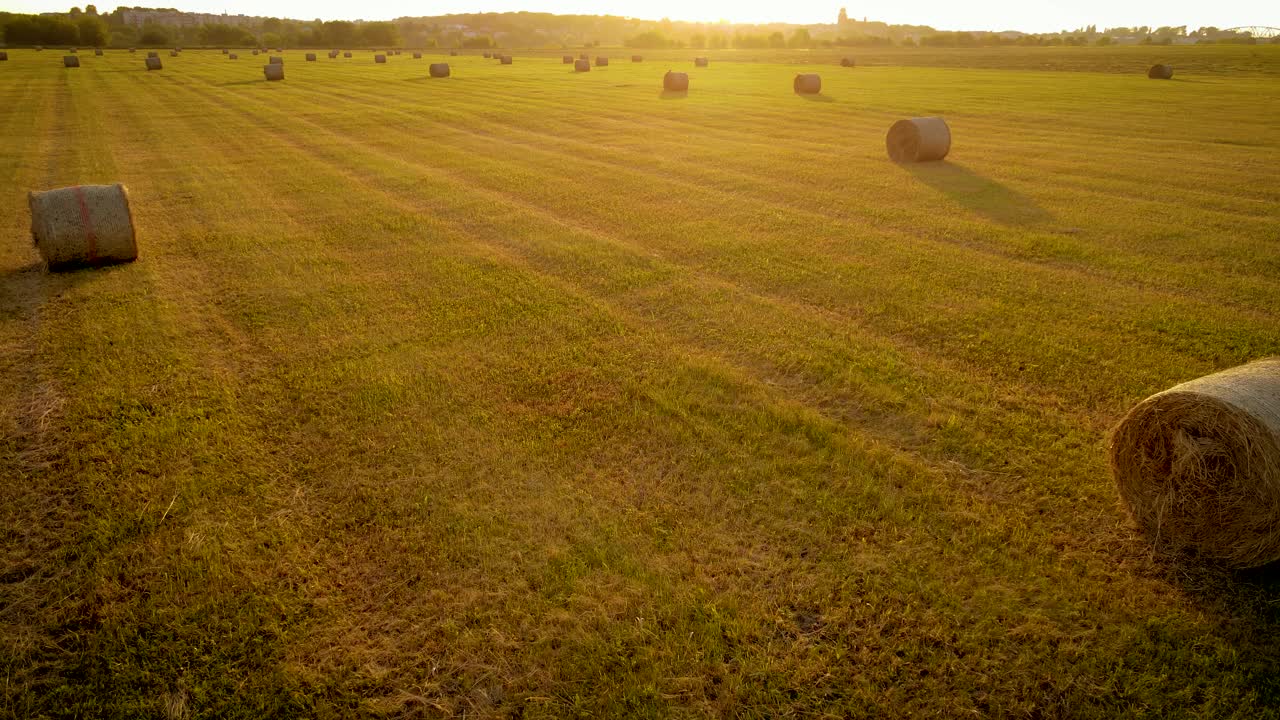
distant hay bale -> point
(807, 84)
(701, 62)
(73, 51)
(417, 56)
(153, 63)
(675, 82)
(255, 52)
(1198, 465)
(488, 55)
(567, 59)
(83, 225)
(275, 60)
(273, 71)
(311, 57)
(3, 56)
(346, 54)
(70, 61)
(846, 62)
(453, 53)
(233, 56)
(1160, 72)
(637, 58)
(439, 70)
(225, 51)
(581, 66)
(133, 50)
(153, 54)
(396, 52)
(97, 52)
(380, 58)
(173, 53)
(506, 60)
(918, 140)
(602, 62)
(39, 48)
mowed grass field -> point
(533, 394)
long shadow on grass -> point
(981, 195)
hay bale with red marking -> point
(1198, 466)
(83, 225)
(918, 140)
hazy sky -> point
(1034, 16)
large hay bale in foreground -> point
(380, 59)
(602, 62)
(701, 62)
(1160, 72)
(807, 84)
(846, 62)
(675, 82)
(71, 61)
(439, 70)
(581, 66)
(275, 60)
(153, 63)
(311, 57)
(506, 60)
(273, 71)
(918, 140)
(83, 225)
(1198, 465)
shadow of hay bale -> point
(978, 194)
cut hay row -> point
(1198, 465)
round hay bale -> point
(417, 56)
(224, 51)
(846, 62)
(581, 66)
(83, 225)
(255, 52)
(275, 60)
(701, 62)
(233, 56)
(70, 61)
(1160, 72)
(1198, 465)
(173, 53)
(97, 52)
(273, 71)
(675, 82)
(637, 58)
(807, 84)
(439, 70)
(488, 55)
(396, 52)
(567, 59)
(133, 50)
(311, 57)
(506, 60)
(346, 54)
(380, 59)
(153, 63)
(602, 62)
(153, 54)
(3, 56)
(453, 53)
(918, 140)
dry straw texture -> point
(581, 66)
(675, 82)
(153, 63)
(1198, 465)
(918, 140)
(439, 70)
(84, 225)
(1160, 72)
(807, 84)
(273, 71)
(71, 61)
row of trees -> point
(88, 30)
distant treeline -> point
(535, 30)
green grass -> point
(527, 393)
